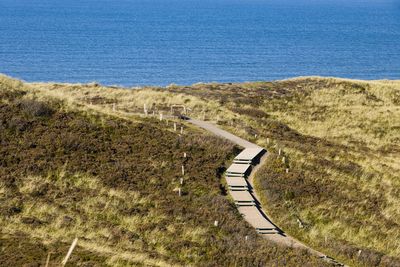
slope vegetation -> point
(340, 141)
(72, 166)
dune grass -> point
(73, 166)
(341, 143)
(340, 139)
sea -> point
(160, 42)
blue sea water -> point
(158, 42)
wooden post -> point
(175, 126)
(283, 160)
(255, 136)
(184, 155)
(183, 170)
(161, 116)
(279, 151)
(267, 140)
(287, 170)
(181, 130)
(48, 259)
(246, 237)
(69, 251)
(215, 223)
(181, 181)
(179, 191)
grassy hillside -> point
(341, 143)
(71, 166)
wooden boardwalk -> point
(240, 184)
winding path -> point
(280, 237)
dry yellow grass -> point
(342, 144)
(344, 139)
(362, 115)
(368, 123)
(75, 166)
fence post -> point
(48, 259)
(69, 251)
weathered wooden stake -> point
(267, 140)
(246, 237)
(283, 160)
(161, 116)
(184, 155)
(280, 151)
(181, 181)
(69, 252)
(183, 170)
(175, 126)
(48, 259)
(287, 170)
(215, 223)
(181, 130)
(179, 191)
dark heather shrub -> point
(35, 108)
